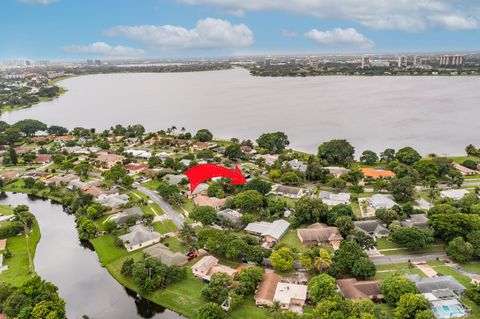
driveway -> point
(169, 211)
(396, 259)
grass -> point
(6, 210)
(473, 266)
(139, 195)
(384, 243)
(384, 271)
(291, 240)
(18, 265)
(152, 184)
(461, 159)
(448, 271)
(107, 250)
(173, 244)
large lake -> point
(433, 114)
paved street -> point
(396, 259)
(169, 211)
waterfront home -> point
(266, 289)
(465, 171)
(233, 216)
(320, 234)
(270, 232)
(455, 194)
(427, 285)
(139, 237)
(287, 191)
(110, 160)
(130, 214)
(113, 200)
(62, 179)
(173, 179)
(336, 171)
(298, 165)
(208, 265)
(416, 220)
(372, 228)
(353, 289)
(332, 199)
(166, 256)
(214, 202)
(292, 297)
(376, 173)
(9, 176)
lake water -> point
(86, 287)
(433, 114)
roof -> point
(209, 201)
(205, 264)
(275, 229)
(285, 292)
(426, 285)
(416, 220)
(454, 193)
(463, 169)
(200, 188)
(334, 199)
(289, 190)
(110, 158)
(382, 201)
(376, 173)
(268, 286)
(139, 235)
(371, 227)
(165, 255)
(229, 214)
(353, 289)
(173, 179)
(319, 233)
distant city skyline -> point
(70, 30)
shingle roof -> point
(165, 255)
(426, 285)
(139, 236)
(275, 229)
(354, 289)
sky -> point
(118, 29)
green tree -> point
(345, 225)
(204, 214)
(274, 143)
(249, 278)
(413, 238)
(388, 155)
(12, 135)
(402, 189)
(321, 287)
(407, 155)
(29, 127)
(460, 250)
(233, 152)
(110, 225)
(309, 210)
(395, 286)
(316, 258)
(204, 135)
(338, 152)
(211, 311)
(57, 130)
(369, 157)
(291, 178)
(337, 184)
(363, 268)
(86, 228)
(216, 190)
(449, 226)
(217, 289)
(249, 201)
(282, 259)
(345, 259)
(261, 186)
(410, 306)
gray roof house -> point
(427, 285)
(231, 215)
(166, 256)
(114, 200)
(381, 201)
(139, 237)
(173, 179)
(416, 220)
(332, 199)
(287, 191)
(123, 217)
(298, 165)
(372, 228)
(270, 231)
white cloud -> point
(104, 49)
(37, 1)
(288, 34)
(407, 15)
(455, 22)
(206, 35)
(348, 38)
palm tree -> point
(183, 129)
(186, 235)
(173, 128)
(276, 310)
(323, 260)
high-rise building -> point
(417, 60)
(267, 62)
(366, 62)
(402, 61)
(453, 60)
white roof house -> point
(381, 201)
(291, 296)
(336, 171)
(185, 162)
(233, 216)
(332, 199)
(298, 165)
(173, 179)
(114, 200)
(455, 194)
(139, 237)
(274, 230)
(139, 153)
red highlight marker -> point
(200, 173)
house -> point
(133, 213)
(43, 159)
(200, 146)
(465, 171)
(416, 220)
(372, 228)
(166, 256)
(298, 165)
(320, 234)
(266, 289)
(353, 289)
(93, 190)
(292, 297)
(220, 150)
(139, 237)
(248, 150)
(336, 171)
(270, 232)
(207, 266)
(173, 179)
(185, 162)
(427, 285)
(114, 200)
(134, 168)
(214, 202)
(269, 159)
(152, 141)
(9, 175)
(287, 191)
(332, 199)
(378, 201)
(63, 138)
(233, 216)
(200, 189)
(377, 173)
(446, 304)
(139, 154)
(39, 139)
(110, 160)
(62, 179)
(455, 194)
(23, 149)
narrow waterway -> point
(86, 286)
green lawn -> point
(173, 244)
(384, 271)
(18, 265)
(6, 210)
(473, 266)
(461, 159)
(138, 194)
(107, 250)
(291, 240)
(447, 271)
(152, 184)
(384, 243)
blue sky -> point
(108, 29)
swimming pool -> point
(449, 311)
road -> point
(396, 259)
(177, 218)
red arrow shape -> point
(200, 173)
